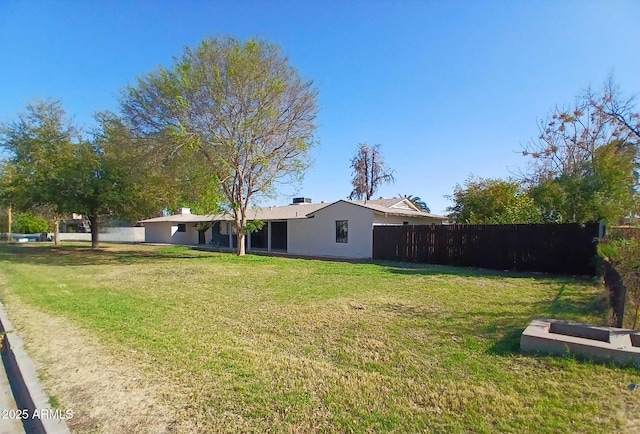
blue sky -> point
(448, 88)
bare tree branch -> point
(369, 171)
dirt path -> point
(107, 394)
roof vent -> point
(184, 211)
(301, 200)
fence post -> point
(618, 292)
(602, 228)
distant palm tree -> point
(419, 203)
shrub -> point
(31, 224)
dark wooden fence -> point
(617, 292)
(565, 249)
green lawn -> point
(263, 343)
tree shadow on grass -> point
(414, 269)
(508, 344)
(84, 255)
(573, 306)
(563, 306)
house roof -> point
(399, 207)
(181, 218)
(287, 212)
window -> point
(342, 231)
(182, 227)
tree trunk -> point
(9, 217)
(93, 222)
(241, 231)
(56, 232)
(241, 237)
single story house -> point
(341, 229)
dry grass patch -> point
(107, 393)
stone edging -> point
(38, 416)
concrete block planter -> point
(551, 336)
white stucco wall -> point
(317, 236)
(116, 235)
(157, 232)
(167, 232)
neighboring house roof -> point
(398, 207)
(394, 202)
(395, 206)
(402, 206)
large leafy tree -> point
(240, 108)
(147, 182)
(603, 187)
(38, 146)
(584, 163)
(51, 167)
(112, 177)
(98, 185)
(492, 201)
(369, 171)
